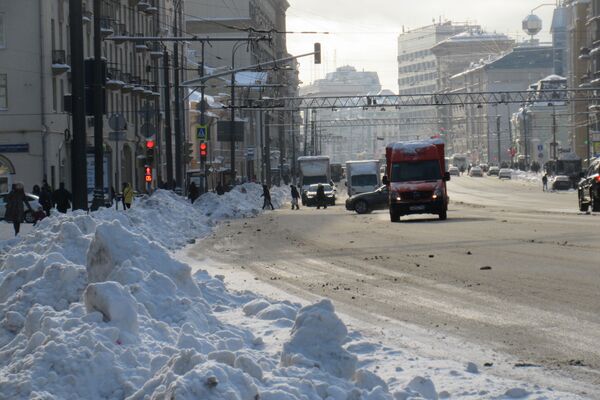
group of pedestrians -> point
(320, 197)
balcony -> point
(584, 53)
(152, 9)
(120, 30)
(59, 62)
(106, 27)
(114, 81)
(143, 5)
(127, 87)
(87, 16)
(141, 47)
(156, 51)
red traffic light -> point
(150, 144)
(203, 149)
(148, 174)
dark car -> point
(366, 202)
(589, 188)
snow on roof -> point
(478, 35)
(411, 147)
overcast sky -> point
(363, 33)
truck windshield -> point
(364, 180)
(309, 180)
(416, 171)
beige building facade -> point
(35, 124)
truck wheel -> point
(394, 215)
(443, 215)
(583, 206)
(361, 207)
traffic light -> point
(150, 144)
(317, 53)
(188, 153)
(148, 174)
(203, 151)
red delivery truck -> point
(417, 178)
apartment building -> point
(35, 127)
(474, 129)
(242, 19)
(418, 73)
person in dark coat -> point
(193, 192)
(62, 198)
(267, 198)
(15, 206)
(46, 199)
(36, 190)
(321, 198)
(219, 189)
(295, 197)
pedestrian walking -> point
(321, 198)
(127, 196)
(62, 198)
(545, 183)
(219, 189)
(38, 215)
(193, 192)
(15, 206)
(46, 199)
(267, 198)
(36, 190)
(295, 197)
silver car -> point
(505, 173)
(34, 202)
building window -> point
(3, 92)
(2, 32)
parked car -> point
(561, 182)
(588, 188)
(311, 194)
(493, 171)
(34, 202)
(454, 170)
(476, 171)
(367, 202)
(505, 173)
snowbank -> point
(94, 306)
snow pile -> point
(527, 176)
(94, 306)
(242, 201)
(317, 338)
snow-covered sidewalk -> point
(96, 306)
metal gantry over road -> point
(425, 100)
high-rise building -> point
(418, 74)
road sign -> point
(117, 122)
(250, 152)
(540, 147)
(116, 135)
(540, 155)
(202, 132)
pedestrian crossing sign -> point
(202, 132)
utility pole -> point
(232, 123)
(499, 141)
(510, 143)
(281, 145)
(587, 126)
(78, 147)
(268, 149)
(305, 152)
(293, 162)
(98, 94)
(525, 131)
(178, 132)
(204, 164)
(168, 128)
(554, 143)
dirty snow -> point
(96, 306)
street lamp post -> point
(235, 48)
